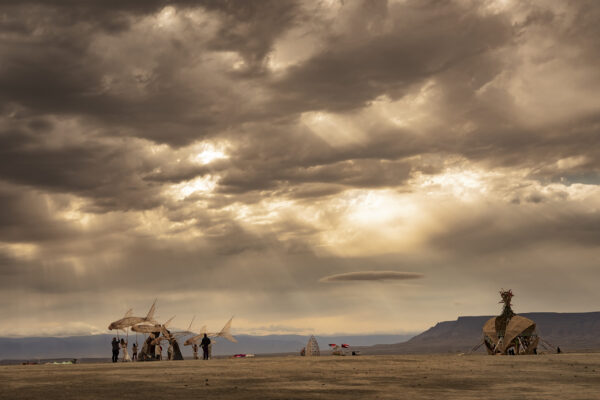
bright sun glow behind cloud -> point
(209, 152)
(200, 185)
(463, 184)
(375, 221)
(167, 17)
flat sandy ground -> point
(564, 377)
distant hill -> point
(94, 346)
(570, 331)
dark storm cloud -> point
(499, 142)
(519, 227)
(109, 173)
(52, 64)
(503, 133)
(498, 139)
(233, 259)
(371, 276)
(251, 27)
(462, 59)
(113, 15)
(353, 69)
(178, 173)
(356, 69)
(382, 50)
(268, 160)
(345, 174)
(25, 217)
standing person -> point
(134, 350)
(126, 357)
(170, 351)
(115, 350)
(195, 349)
(158, 351)
(205, 343)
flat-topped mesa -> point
(510, 333)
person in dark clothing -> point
(205, 343)
(115, 350)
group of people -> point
(117, 346)
(158, 351)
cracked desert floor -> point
(564, 376)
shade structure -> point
(518, 328)
(510, 333)
(489, 330)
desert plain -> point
(556, 376)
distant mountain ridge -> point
(570, 331)
(94, 346)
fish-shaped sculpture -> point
(168, 335)
(224, 333)
(129, 320)
(150, 328)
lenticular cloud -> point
(371, 276)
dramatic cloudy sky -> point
(307, 166)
